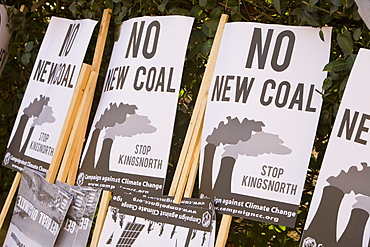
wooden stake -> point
(194, 130)
(74, 147)
(223, 232)
(102, 37)
(104, 203)
(9, 198)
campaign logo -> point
(206, 219)
(7, 158)
(80, 179)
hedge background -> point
(349, 34)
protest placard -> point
(339, 211)
(139, 220)
(46, 100)
(39, 212)
(261, 119)
(129, 141)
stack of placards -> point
(261, 119)
(137, 220)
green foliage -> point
(349, 34)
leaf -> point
(162, 6)
(196, 11)
(310, 19)
(26, 58)
(73, 7)
(345, 43)
(336, 2)
(202, 3)
(357, 34)
(327, 83)
(29, 46)
(277, 6)
(313, 2)
(336, 65)
(216, 13)
(351, 60)
(321, 34)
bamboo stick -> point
(194, 130)
(223, 231)
(104, 203)
(9, 198)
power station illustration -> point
(117, 120)
(323, 228)
(238, 138)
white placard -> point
(261, 119)
(131, 133)
(339, 210)
(45, 103)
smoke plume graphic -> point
(241, 138)
(36, 106)
(324, 225)
(115, 115)
(42, 113)
(234, 131)
(359, 180)
(134, 125)
(272, 144)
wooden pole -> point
(9, 198)
(223, 231)
(193, 135)
(84, 109)
(104, 203)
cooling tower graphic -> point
(117, 121)
(134, 125)
(323, 228)
(112, 115)
(239, 138)
(41, 112)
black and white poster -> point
(5, 36)
(84, 227)
(49, 91)
(129, 141)
(261, 119)
(73, 219)
(146, 221)
(339, 211)
(39, 212)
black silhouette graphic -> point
(243, 138)
(33, 110)
(130, 234)
(110, 117)
(324, 225)
(134, 125)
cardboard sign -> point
(45, 103)
(339, 210)
(130, 138)
(146, 221)
(5, 36)
(70, 226)
(261, 119)
(84, 227)
(39, 212)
